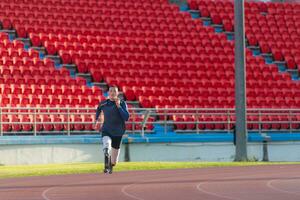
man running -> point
(115, 113)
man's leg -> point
(106, 140)
(115, 151)
(114, 156)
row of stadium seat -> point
(86, 19)
(49, 90)
(186, 94)
(126, 23)
(284, 125)
(77, 7)
(49, 100)
(60, 123)
(22, 70)
(222, 102)
(41, 80)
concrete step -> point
(102, 85)
(11, 33)
(26, 41)
(218, 28)
(279, 62)
(255, 50)
(206, 21)
(294, 73)
(268, 57)
(86, 76)
(55, 58)
(253, 47)
(230, 35)
(194, 13)
(42, 51)
(281, 65)
(71, 67)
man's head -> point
(113, 92)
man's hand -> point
(97, 125)
(118, 102)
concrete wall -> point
(285, 151)
(49, 153)
(70, 153)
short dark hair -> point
(113, 86)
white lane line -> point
(123, 190)
(271, 186)
(125, 187)
(213, 193)
(44, 193)
(201, 189)
(232, 177)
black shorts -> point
(115, 140)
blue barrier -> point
(151, 138)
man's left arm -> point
(123, 110)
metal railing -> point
(142, 120)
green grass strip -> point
(80, 168)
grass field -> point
(56, 169)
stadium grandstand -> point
(173, 62)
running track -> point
(277, 182)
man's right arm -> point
(99, 109)
(98, 112)
(99, 115)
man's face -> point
(113, 93)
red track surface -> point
(280, 182)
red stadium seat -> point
(57, 124)
(47, 123)
(16, 126)
(27, 123)
(77, 126)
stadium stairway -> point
(255, 48)
(28, 44)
